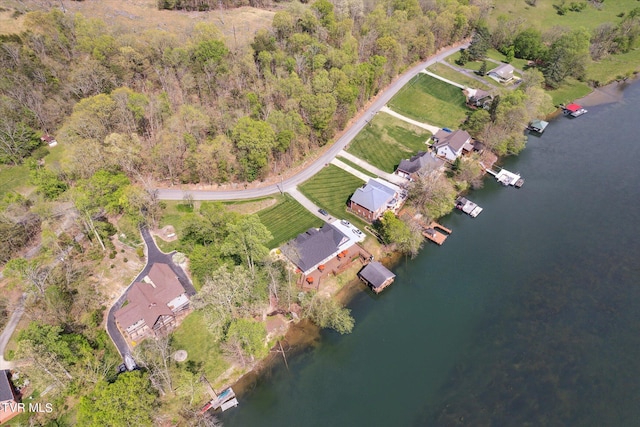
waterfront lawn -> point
(569, 91)
(286, 220)
(330, 189)
(386, 140)
(614, 67)
(193, 336)
(432, 101)
(455, 76)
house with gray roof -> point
(374, 198)
(503, 73)
(451, 145)
(377, 276)
(153, 304)
(316, 246)
(423, 162)
(9, 398)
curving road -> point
(326, 157)
(154, 255)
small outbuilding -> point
(376, 276)
(538, 126)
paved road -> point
(435, 76)
(308, 204)
(153, 255)
(8, 331)
(468, 73)
(345, 167)
(327, 156)
(431, 128)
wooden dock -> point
(437, 233)
(225, 400)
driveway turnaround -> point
(154, 255)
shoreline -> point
(304, 334)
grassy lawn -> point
(194, 337)
(387, 140)
(356, 167)
(613, 66)
(569, 92)
(451, 74)
(286, 220)
(543, 16)
(330, 189)
(432, 101)
(13, 178)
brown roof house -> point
(451, 145)
(503, 73)
(422, 163)
(153, 304)
(9, 398)
(375, 198)
(316, 246)
(478, 98)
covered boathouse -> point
(376, 276)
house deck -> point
(335, 266)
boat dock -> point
(436, 233)
(574, 110)
(468, 207)
(225, 400)
(507, 178)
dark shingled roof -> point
(419, 161)
(376, 274)
(6, 389)
(313, 246)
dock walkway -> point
(437, 233)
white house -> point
(503, 73)
(450, 145)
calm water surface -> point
(528, 315)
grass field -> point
(386, 140)
(13, 178)
(194, 337)
(543, 16)
(432, 101)
(331, 189)
(356, 167)
(451, 74)
(286, 220)
(518, 63)
(569, 92)
(610, 68)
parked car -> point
(345, 222)
(323, 212)
(356, 231)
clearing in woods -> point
(237, 25)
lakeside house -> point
(9, 397)
(451, 145)
(375, 198)
(154, 305)
(316, 247)
(503, 73)
(478, 98)
(376, 276)
(423, 162)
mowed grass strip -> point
(330, 189)
(286, 220)
(386, 140)
(432, 101)
(356, 167)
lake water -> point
(529, 314)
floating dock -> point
(436, 233)
(225, 400)
(507, 178)
(468, 207)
